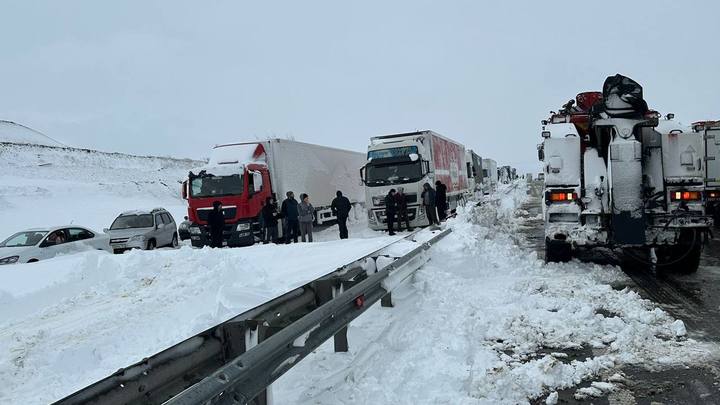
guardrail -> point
(236, 360)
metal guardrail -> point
(236, 360)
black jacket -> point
(270, 214)
(441, 195)
(401, 201)
(289, 209)
(341, 206)
(216, 221)
(390, 204)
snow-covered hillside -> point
(13, 132)
(45, 186)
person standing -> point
(216, 221)
(402, 209)
(306, 216)
(270, 221)
(390, 210)
(441, 200)
(289, 212)
(428, 200)
(341, 209)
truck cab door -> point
(712, 156)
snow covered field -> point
(46, 186)
(486, 322)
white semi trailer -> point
(410, 160)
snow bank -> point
(479, 322)
(69, 321)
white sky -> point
(175, 78)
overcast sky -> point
(175, 78)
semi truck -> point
(409, 160)
(473, 163)
(242, 175)
(490, 175)
(710, 131)
(620, 178)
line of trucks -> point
(243, 175)
(620, 178)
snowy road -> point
(487, 322)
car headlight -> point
(195, 230)
(243, 227)
(9, 260)
(137, 238)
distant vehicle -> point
(541, 176)
(184, 229)
(143, 230)
(474, 170)
(241, 176)
(410, 160)
(490, 175)
(711, 135)
(37, 244)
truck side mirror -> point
(541, 153)
(184, 190)
(425, 167)
(257, 181)
(362, 175)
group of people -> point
(297, 219)
(434, 202)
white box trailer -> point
(241, 176)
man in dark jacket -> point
(428, 200)
(270, 219)
(390, 210)
(341, 209)
(289, 212)
(216, 222)
(441, 200)
(402, 209)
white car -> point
(43, 243)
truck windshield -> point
(397, 173)
(132, 221)
(216, 186)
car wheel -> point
(174, 243)
(151, 244)
(32, 261)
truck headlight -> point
(243, 227)
(371, 217)
(377, 200)
(9, 260)
(195, 230)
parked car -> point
(143, 230)
(184, 229)
(37, 244)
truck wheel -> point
(556, 252)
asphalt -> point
(693, 298)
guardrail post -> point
(387, 301)
(326, 290)
(255, 333)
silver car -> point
(143, 230)
(37, 244)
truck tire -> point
(556, 252)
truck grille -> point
(228, 212)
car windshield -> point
(216, 186)
(21, 239)
(397, 173)
(132, 221)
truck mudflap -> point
(234, 235)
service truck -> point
(409, 160)
(710, 131)
(620, 179)
(242, 175)
(474, 170)
(490, 175)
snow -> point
(43, 186)
(472, 327)
(17, 133)
(59, 318)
